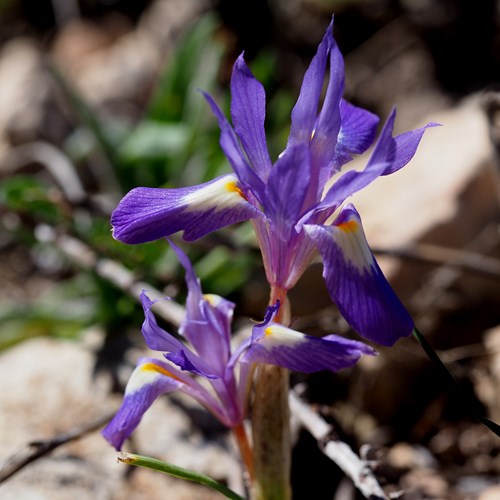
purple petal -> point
(287, 188)
(278, 345)
(150, 379)
(207, 324)
(147, 214)
(390, 154)
(159, 340)
(232, 149)
(156, 338)
(327, 129)
(305, 110)
(404, 147)
(248, 111)
(357, 132)
(356, 283)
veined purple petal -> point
(356, 283)
(147, 214)
(405, 146)
(207, 324)
(230, 145)
(287, 188)
(159, 340)
(156, 338)
(357, 133)
(390, 154)
(327, 129)
(150, 379)
(278, 345)
(305, 110)
(248, 112)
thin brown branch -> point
(461, 259)
(82, 255)
(38, 449)
(339, 452)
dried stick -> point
(81, 254)
(37, 449)
(338, 451)
(435, 254)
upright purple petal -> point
(207, 324)
(356, 283)
(277, 345)
(305, 110)
(159, 340)
(248, 112)
(147, 214)
(287, 188)
(327, 129)
(230, 145)
(156, 338)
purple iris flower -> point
(298, 204)
(206, 352)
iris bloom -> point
(298, 204)
(206, 328)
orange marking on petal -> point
(348, 226)
(268, 331)
(234, 188)
(152, 367)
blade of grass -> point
(174, 470)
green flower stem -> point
(173, 470)
(271, 423)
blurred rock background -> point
(97, 97)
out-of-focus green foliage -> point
(176, 143)
(63, 312)
(25, 195)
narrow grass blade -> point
(173, 470)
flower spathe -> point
(293, 204)
(206, 352)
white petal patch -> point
(219, 195)
(349, 236)
(279, 336)
(146, 374)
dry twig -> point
(38, 449)
(338, 451)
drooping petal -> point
(147, 214)
(357, 133)
(248, 112)
(278, 345)
(150, 379)
(230, 145)
(305, 110)
(356, 283)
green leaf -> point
(27, 195)
(173, 470)
(154, 141)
